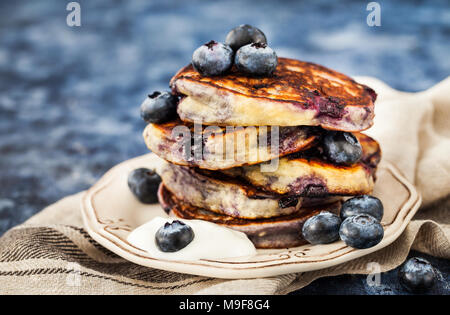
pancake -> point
(249, 145)
(308, 174)
(278, 232)
(298, 93)
(223, 195)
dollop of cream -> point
(211, 241)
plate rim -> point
(237, 269)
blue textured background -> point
(69, 97)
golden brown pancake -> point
(306, 174)
(298, 93)
(245, 144)
(223, 195)
(277, 232)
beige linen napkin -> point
(52, 254)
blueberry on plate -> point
(322, 228)
(243, 35)
(212, 59)
(417, 275)
(144, 184)
(364, 204)
(361, 231)
(342, 147)
(172, 237)
(159, 107)
(256, 59)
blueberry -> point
(144, 184)
(159, 107)
(342, 147)
(256, 59)
(322, 228)
(172, 237)
(361, 231)
(212, 59)
(417, 275)
(243, 35)
(362, 204)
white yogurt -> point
(211, 241)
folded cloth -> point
(51, 253)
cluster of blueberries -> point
(245, 47)
(358, 225)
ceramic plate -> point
(110, 213)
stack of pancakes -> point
(229, 172)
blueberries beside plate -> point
(159, 107)
(212, 59)
(364, 204)
(322, 228)
(172, 237)
(342, 147)
(417, 275)
(144, 184)
(361, 231)
(256, 59)
(243, 35)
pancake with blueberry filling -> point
(298, 93)
(222, 148)
(224, 195)
(276, 232)
(309, 173)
